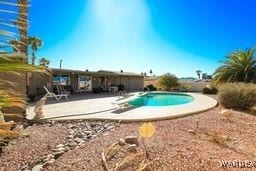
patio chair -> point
(61, 90)
(56, 96)
(124, 94)
(123, 102)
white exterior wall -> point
(195, 86)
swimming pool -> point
(161, 99)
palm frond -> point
(11, 98)
(12, 4)
(240, 66)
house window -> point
(61, 79)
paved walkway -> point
(102, 108)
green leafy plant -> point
(14, 63)
(214, 90)
(169, 81)
(207, 90)
(34, 43)
(240, 66)
(241, 96)
(186, 87)
(198, 72)
(210, 90)
(150, 88)
(44, 62)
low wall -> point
(195, 86)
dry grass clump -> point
(6, 134)
(241, 96)
(6, 125)
(116, 158)
(228, 142)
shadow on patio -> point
(78, 97)
(80, 114)
(126, 109)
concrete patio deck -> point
(100, 107)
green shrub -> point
(240, 96)
(214, 90)
(186, 87)
(150, 87)
(169, 81)
(208, 90)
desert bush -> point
(240, 96)
(186, 87)
(212, 90)
(169, 81)
(207, 90)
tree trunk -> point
(23, 25)
(33, 58)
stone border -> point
(201, 103)
(79, 133)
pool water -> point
(161, 99)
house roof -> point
(149, 78)
(57, 70)
(98, 73)
(120, 73)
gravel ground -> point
(175, 146)
(42, 139)
(178, 144)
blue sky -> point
(176, 36)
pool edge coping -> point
(171, 116)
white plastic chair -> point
(56, 96)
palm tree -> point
(44, 62)
(151, 72)
(14, 63)
(35, 43)
(240, 66)
(198, 72)
(15, 45)
(22, 24)
(19, 41)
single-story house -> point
(85, 80)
